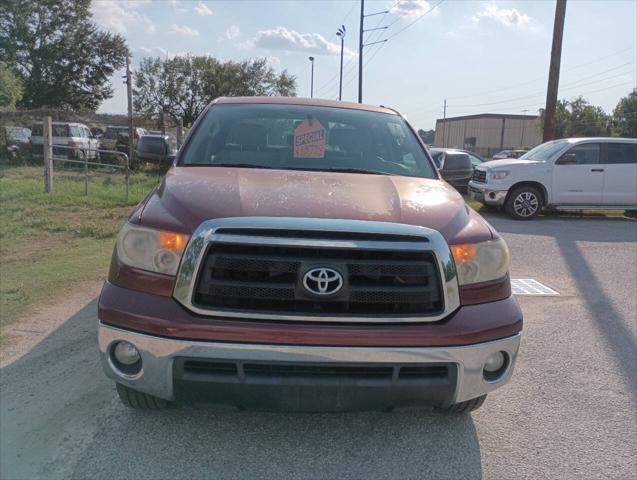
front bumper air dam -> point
(162, 375)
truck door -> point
(578, 176)
(620, 176)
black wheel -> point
(523, 203)
(464, 407)
(138, 400)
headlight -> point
(149, 249)
(481, 262)
(499, 175)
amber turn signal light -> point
(464, 252)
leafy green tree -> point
(10, 89)
(625, 116)
(577, 118)
(182, 86)
(61, 55)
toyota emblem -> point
(322, 281)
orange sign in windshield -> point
(309, 139)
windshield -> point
(306, 138)
(545, 151)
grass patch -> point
(53, 243)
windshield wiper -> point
(239, 165)
(280, 167)
(355, 170)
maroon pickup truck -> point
(305, 255)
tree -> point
(61, 55)
(10, 89)
(427, 136)
(577, 118)
(625, 116)
(184, 85)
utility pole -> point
(444, 124)
(312, 78)
(341, 34)
(554, 72)
(361, 45)
(360, 53)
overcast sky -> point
(483, 57)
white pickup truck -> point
(571, 173)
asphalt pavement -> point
(569, 411)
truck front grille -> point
(479, 176)
(268, 278)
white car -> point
(571, 173)
(77, 136)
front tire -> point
(464, 407)
(524, 203)
(139, 400)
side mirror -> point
(567, 159)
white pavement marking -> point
(530, 286)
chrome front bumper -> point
(158, 355)
(483, 194)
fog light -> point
(126, 353)
(494, 362)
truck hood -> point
(190, 195)
(508, 162)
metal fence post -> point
(86, 174)
(126, 176)
(47, 149)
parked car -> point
(77, 136)
(456, 166)
(16, 141)
(108, 141)
(571, 173)
(508, 154)
(97, 132)
(333, 271)
(157, 148)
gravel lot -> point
(569, 411)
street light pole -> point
(312, 78)
(341, 33)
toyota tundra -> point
(305, 255)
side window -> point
(585, 154)
(457, 161)
(623, 153)
(475, 161)
(60, 130)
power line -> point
(416, 20)
(509, 87)
(532, 106)
(538, 104)
(566, 85)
